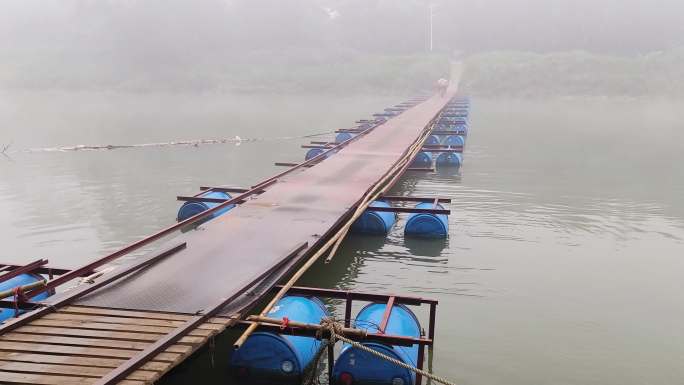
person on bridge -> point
(442, 85)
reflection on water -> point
(563, 263)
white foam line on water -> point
(237, 140)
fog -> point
(251, 45)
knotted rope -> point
(335, 329)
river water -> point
(564, 261)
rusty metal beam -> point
(23, 269)
(360, 296)
(43, 270)
(449, 132)
(409, 210)
(386, 315)
(434, 147)
(203, 199)
(443, 149)
(294, 330)
(224, 189)
(394, 198)
(290, 164)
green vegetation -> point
(524, 74)
(380, 74)
(370, 73)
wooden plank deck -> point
(81, 344)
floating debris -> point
(236, 140)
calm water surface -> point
(564, 262)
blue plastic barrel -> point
(357, 367)
(449, 159)
(454, 141)
(189, 209)
(422, 159)
(432, 140)
(374, 222)
(427, 225)
(312, 153)
(20, 280)
(343, 137)
(269, 358)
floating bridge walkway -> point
(140, 319)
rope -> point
(335, 330)
(18, 297)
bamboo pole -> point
(8, 293)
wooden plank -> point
(80, 351)
(92, 342)
(82, 361)
(123, 313)
(115, 327)
(124, 321)
(123, 336)
(38, 379)
(70, 370)
(78, 309)
(73, 309)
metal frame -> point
(443, 150)
(393, 198)
(349, 297)
(447, 132)
(29, 268)
(43, 270)
(409, 210)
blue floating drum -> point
(424, 225)
(269, 358)
(422, 159)
(449, 159)
(343, 137)
(454, 141)
(357, 367)
(190, 209)
(374, 222)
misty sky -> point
(54, 42)
(172, 27)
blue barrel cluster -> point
(269, 358)
(454, 117)
(341, 137)
(358, 367)
(418, 225)
(18, 281)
